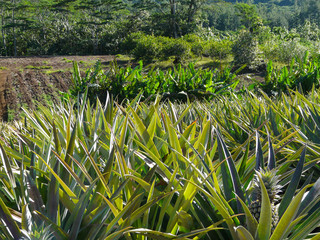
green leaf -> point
(77, 214)
(288, 216)
(271, 155)
(316, 237)
(11, 225)
(243, 233)
(53, 195)
(7, 166)
(156, 235)
(57, 230)
(293, 184)
(35, 198)
(230, 177)
(26, 218)
(185, 220)
(56, 138)
(259, 154)
(264, 225)
(310, 198)
(251, 222)
(64, 186)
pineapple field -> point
(232, 166)
(159, 120)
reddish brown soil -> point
(26, 80)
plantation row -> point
(152, 170)
(126, 82)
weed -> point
(38, 67)
(67, 60)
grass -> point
(38, 67)
(67, 60)
(51, 71)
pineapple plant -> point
(270, 180)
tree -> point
(248, 15)
(98, 13)
(172, 18)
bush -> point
(131, 42)
(218, 49)
(196, 44)
(178, 48)
(246, 51)
(284, 51)
(147, 48)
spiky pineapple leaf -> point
(293, 184)
(288, 216)
(152, 234)
(264, 225)
(7, 166)
(251, 222)
(11, 225)
(243, 233)
(271, 155)
(230, 177)
(307, 224)
(310, 199)
(259, 154)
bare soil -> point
(24, 81)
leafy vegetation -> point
(188, 82)
(48, 27)
(223, 163)
(161, 170)
(127, 82)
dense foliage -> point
(237, 165)
(46, 27)
(181, 83)
(161, 170)
(127, 82)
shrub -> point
(131, 41)
(246, 51)
(196, 44)
(178, 48)
(284, 51)
(218, 49)
(148, 48)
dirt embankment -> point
(28, 80)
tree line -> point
(55, 27)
